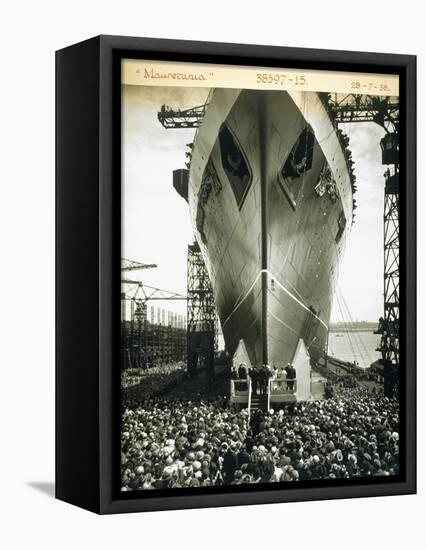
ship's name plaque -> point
(163, 73)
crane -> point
(134, 339)
(131, 265)
(384, 111)
(145, 292)
(181, 118)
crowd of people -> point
(196, 443)
(146, 383)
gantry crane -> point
(146, 292)
(131, 265)
(384, 111)
(181, 118)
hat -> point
(168, 472)
(285, 461)
(199, 442)
(196, 464)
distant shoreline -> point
(360, 326)
(343, 330)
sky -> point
(156, 224)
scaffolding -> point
(389, 324)
(384, 111)
(201, 314)
(202, 336)
(150, 336)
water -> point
(357, 346)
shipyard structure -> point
(270, 195)
(270, 186)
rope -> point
(351, 333)
(342, 319)
(356, 334)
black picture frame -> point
(87, 287)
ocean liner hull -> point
(271, 204)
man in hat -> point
(254, 379)
(242, 372)
(264, 375)
(291, 376)
(230, 464)
(287, 374)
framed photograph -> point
(236, 292)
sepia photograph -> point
(259, 276)
(210, 212)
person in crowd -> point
(291, 375)
(261, 379)
(279, 377)
(230, 462)
(264, 375)
(287, 371)
(242, 371)
(328, 390)
(243, 456)
(274, 371)
(254, 376)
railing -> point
(241, 392)
(269, 393)
(285, 388)
(282, 386)
(240, 387)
